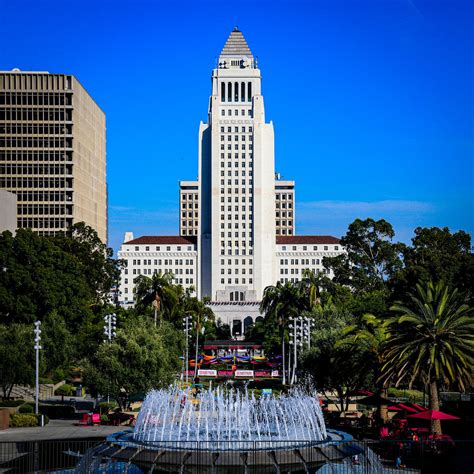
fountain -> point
(222, 431)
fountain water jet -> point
(227, 431)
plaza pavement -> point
(59, 429)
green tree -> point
(38, 277)
(437, 254)
(371, 257)
(223, 332)
(311, 284)
(139, 358)
(203, 322)
(333, 367)
(100, 269)
(17, 359)
(432, 341)
(279, 303)
(57, 342)
(369, 335)
(157, 292)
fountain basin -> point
(220, 457)
(222, 431)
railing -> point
(360, 457)
(43, 456)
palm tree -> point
(432, 341)
(200, 314)
(370, 335)
(279, 303)
(311, 283)
(157, 291)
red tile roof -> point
(163, 240)
(306, 239)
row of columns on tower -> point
(236, 91)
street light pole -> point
(109, 332)
(109, 327)
(186, 320)
(37, 332)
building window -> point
(229, 92)
(249, 92)
(222, 92)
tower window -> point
(229, 92)
(236, 92)
(242, 92)
(249, 92)
(222, 92)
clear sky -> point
(372, 100)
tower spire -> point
(236, 46)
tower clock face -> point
(245, 62)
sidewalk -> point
(59, 429)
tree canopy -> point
(16, 356)
(141, 357)
(371, 257)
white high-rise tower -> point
(237, 221)
(236, 237)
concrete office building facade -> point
(241, 215)
(52, 152)
(7, 211)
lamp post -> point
(296, 336)
(186, 321)
(109, 327)
(308, 325)
(109, 332)
(37, 332)
(199, 322)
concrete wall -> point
(7, 211)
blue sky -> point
(372, 101)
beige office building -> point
(52, 152)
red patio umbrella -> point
(433, 415)
(406, 408)
(418, 407)
(394, 408)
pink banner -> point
(207, 372)
(225, 373)
(244, 373)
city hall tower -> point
(236, 236)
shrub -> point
(410, 395)
(59, 374)
(11, 403)
(25, 408)
(21, 420)
(105, 407)
(65, 390)
(45, 419)
(104, 419)
(45, 380)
